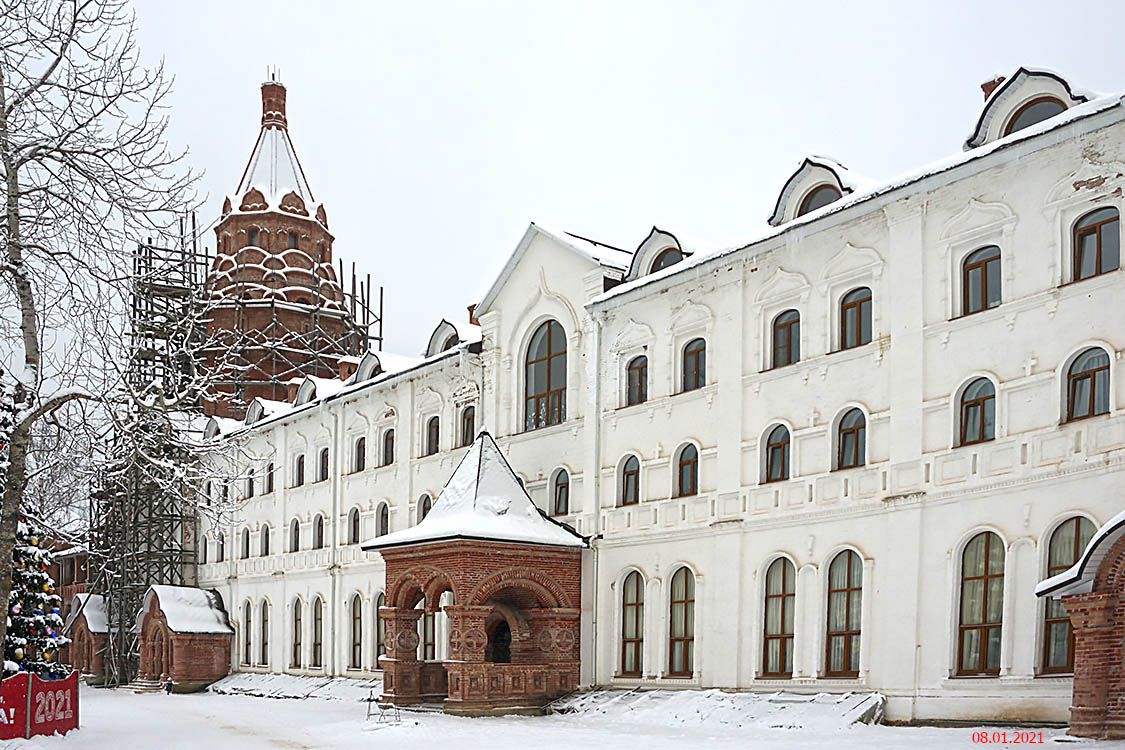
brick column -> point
(467, 637)
(1097, 654)
(401, 668)
(554, 633)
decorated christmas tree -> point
(34, 623)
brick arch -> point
(545, 588)
(429, 580)
(438, 585)
(1111, 573)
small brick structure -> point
(88, 630)
(1093, 593)
(184, 636)
(514, 576)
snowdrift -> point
(673, 708)
(294, 686)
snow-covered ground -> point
(120, 719)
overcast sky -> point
(435, 131)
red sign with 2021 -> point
(30, 706)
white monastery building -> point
(837, 458)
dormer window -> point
(818, 197)
(450, 342)
(669, 257)
(1034, 112)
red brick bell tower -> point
(278, 309)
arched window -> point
(322, 469)
(636, 381)
(632, 624)
(425, 505)
(1087, 385)
(295, 535)
(295, 650)
(818, 197)
(388, 447)
(317, 660)
(318, 532)
(468, 425)
(978, 412)
(299, 471)
(225, 493)
(203, 551)
(695, 365)
(450, 342)
(247, 633)
(781, 595)
(245, 549)
(980, 280)
(787, 338)
(561, 494)
(982, 606)
(855, 318)
(1097, 244)
(845, 591)
(687, 471)
(207, 494)
(380, 628)
(777, 454)
(545, 377)
(252, 237)
(264, 543)
(269, 478)
(681, 634)
(264, 641)
(357, 633)
(292, 240)
(667, 257)
(851, 440)
(250, 485)
(353, 526)
(1035, 111)
(221, 548)
(1066, 545)
(631, 481)
(383, 525)
(433, 435)
(359, 455)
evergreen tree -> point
(34, 634)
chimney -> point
(473, 315)
(347, 366)
(987, 87)
(273, 105)
(291, 389)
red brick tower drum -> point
(278, 311)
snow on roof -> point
(273, 167)
(994, 103)
(483, 500)
(187, 609)
(1078, 112)
(1079, 578)
(606, 255)
(466, 333)
(90, 606)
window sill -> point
(1084, 419)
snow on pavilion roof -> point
(90, 606)
(1079, 578)
(274, 168)
(187, 609)
(483, 500)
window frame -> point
(1009, 126)
(316, 658)
(323, 466)
(296, 645)
(857, 304)
(355, 658)
(383, 520)
(433, 436)
(264, 632)
(684, 641)
(632, 611)
(848, 632)
(295, 535)
(785, 634)
(858, 434)
(981, 265)
(981, 404)
(553, 397)
(1048, 620)
(693, 353)
(299, 470)
(264, 541)
(804, 208)
(1079, 231)
(636, 380)
(990, 537)
(389, 447)
(318, 532)
(790, 330)
(354, 521)
(560, 493)
(626, 473)
(1091, 375)
(359, 454)
(425, 505)
(691, 465)
(468, 425)
(786, 447)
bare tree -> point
(86, 172)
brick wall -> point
(1098, 619)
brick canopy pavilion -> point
(508, 579)
(185, 636)
(1093, 593)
